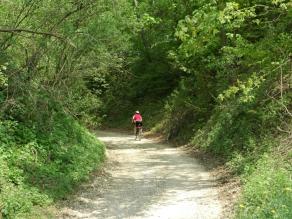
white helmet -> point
(137, 112)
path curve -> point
(146, 180)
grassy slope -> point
(38, 168)
(247, 135)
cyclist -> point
(137, 121)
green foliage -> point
(37, 168)
(3, 77)
(232, 90)
(151, 75)
(216, 73)
(267, 192)
(53, 53)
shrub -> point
(267, 192)
(38, 167)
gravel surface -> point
(145, 179)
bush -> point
(267, 192)
(39, 167)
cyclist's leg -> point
(140, 130)
(136, 129)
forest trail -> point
(144, 179)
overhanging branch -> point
(17, 30)
(49, 34)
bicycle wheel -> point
(136, 134)
(140, 134)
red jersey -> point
(137, 117)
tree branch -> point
(17, 30)
(49, 34)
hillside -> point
(213, 74)
(218, 75)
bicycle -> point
(138, 134)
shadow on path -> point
(147, 180)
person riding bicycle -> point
(137, 120)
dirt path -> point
(146, 180)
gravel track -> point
(145, 179)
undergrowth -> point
(267, 191)
(245, 128)
(38, 168)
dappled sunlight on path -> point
(147, 180)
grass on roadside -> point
(38, 168)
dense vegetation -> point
(47, 53)
(216, 74)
